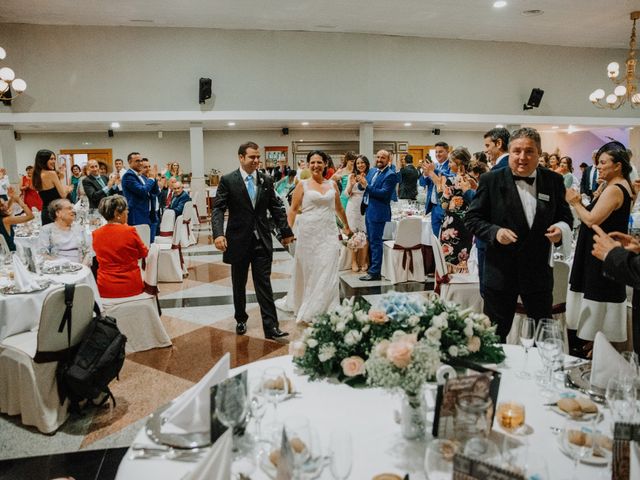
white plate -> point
(589, 459)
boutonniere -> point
(260, 180)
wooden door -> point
(418, 152)
(101, 155)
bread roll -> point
(569, 405)
(586, 405)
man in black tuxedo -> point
(516, 212)
(281, 170)
(248, 194)
(96, 186)
(589, 180)
(408, 179)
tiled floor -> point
(198, 315)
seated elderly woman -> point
(8, 219)
(118, 248)
(64, 239)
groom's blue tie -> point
(251, 188)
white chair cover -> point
(171, 266)
(346, 256)
(4, 248)
(402, 258)
(137, 317)
(184, 224)
(28, 362)
(167, 227)
(196, 208)
(461, 288)
(144, 232)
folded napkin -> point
(472, 262)
(22, 278)
(565, 247)
(190, 412)
(217, 462)
(607, 362)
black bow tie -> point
(529, 180)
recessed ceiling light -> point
(532, 13)
(301, 140)
(231, 124)
(571, 129)
(499, 4)
(407, 124)
(555, 127)
(115, 125)
(499, 125)
(86, 143)
(305, 123)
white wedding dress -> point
(314, 280)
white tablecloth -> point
(391, 228)
(27, 242)
(20, 313)
(377, 442)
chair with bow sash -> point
(461, 288)
(187, 236)
(167, 226)
(402, 257)
(170, 262)
(28, 361)
(138, 317)
(144, 232)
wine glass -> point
(275, 387)
(621, 398)
(438, 459)
(527, 333)
(299, 436)
(550, 335)
(574, 441)
(258, 407)
(483, 449)
(341, 454)
(231, 405)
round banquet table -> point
(21, 312)
(368, 414)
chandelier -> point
(10, 86)
(627, 87)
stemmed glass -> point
(299, 436)
(550, 347)
(621, 398)
(258, 407)
(438, 460)
(575, 443)
(527, 333)
(275, 387)
(231, 405)
(341, 454)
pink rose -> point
(297, 349)
(473, 344)
(381, 348)
(399, 353)
(378, 316)
(352, 366)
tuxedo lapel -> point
(259, 183)
(509, 192)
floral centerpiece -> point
(340, 341)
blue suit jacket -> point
(138, 197)
(177, 203)
(380, 194)
(503, 163)
(442, 169)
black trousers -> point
(500, 307)
(259, 258)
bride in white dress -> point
(314, 280)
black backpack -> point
(94, 362)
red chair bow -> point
(440, 280)
(407, 256)
(187, 223)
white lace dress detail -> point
(314, 280)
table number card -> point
(484, 383)
(217, 428)
(625, 437)
(467, 468)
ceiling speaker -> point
(534, 99)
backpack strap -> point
(69, 291)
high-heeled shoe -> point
(364, 268)
(354, 267)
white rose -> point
(362, 317)
(440, 321)
(352, 337)
(326, 352)
(312, 343)
(468, 330)
(453, 351)
(334, 318)
(433, 334)
(340, 326)
(366, 328)
(413, 320)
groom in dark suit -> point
(516, 212)
(248, 194)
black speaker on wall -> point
(110, 133)
(204, 91)
(285, 131)
(534, 99)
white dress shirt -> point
(527, 194)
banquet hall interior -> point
(104, 79)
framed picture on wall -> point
(273, 154)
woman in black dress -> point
(594, 302)
(47, 183)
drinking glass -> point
(527, 333)
(275, 388)
(575, 444)
(299, 435)
(550, 347)
(258, 407)
(621, 398)
(438, 459)
(231, 404)
(632, 359)
(483, 449)
(341, 454)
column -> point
(196, 141)
(366, 140)
(8, 153)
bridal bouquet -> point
(357, 240)
(340, 342)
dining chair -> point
(144, 232)
(138, 317)
(402, 257)
(167, 227)
(28, 361)
(184, 224)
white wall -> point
(157, 69)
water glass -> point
(527, 334)
(258, 407)
(621, 398)
(575, 443)
(275, 387)
(341, 453)
(299, 435)
(438, 459)
(231, 404)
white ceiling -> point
(585, 23)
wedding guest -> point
(408, 179)
(565, 168)
(76, 173)
(589, 181)
(154, 197)
(354, 212)
(286, 184)
(180, 197)
(554, 162)
(440, 168)
(104, 170)
(173, 171)
(97, 186)
(480, 157)
(118, 248)
(118, 172)
(302, 166)
(47, 183)
(9, 219)
(138, 190)
(516, 212)
(29, 193)
(543, 160)
(62, 238)
(596, 303)
(477, 168)
(331, 169)
(496, 147)
(282, 170)
(4, 184)
(341, 177)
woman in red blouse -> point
(118, 248)
(30, 194)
